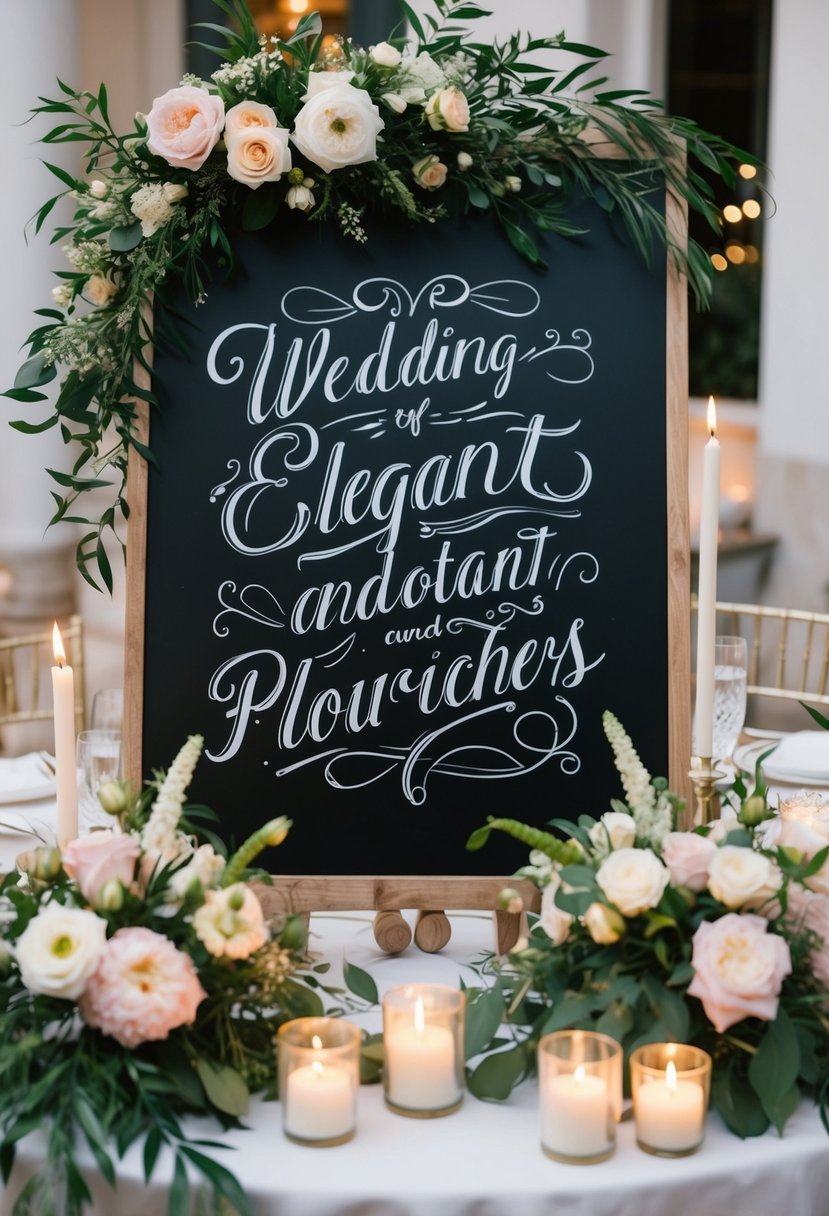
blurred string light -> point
(751, 209)
(748, 172)
(736, 253)
(732, 213)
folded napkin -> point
(803, 754)
(23, 777)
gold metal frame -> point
(31, 655)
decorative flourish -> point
(243, 607)
(140, 981)
(449, 124)
(645, 933)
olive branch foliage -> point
(528, 122)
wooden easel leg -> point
(432, 931)
(391, 931)
(509, 927)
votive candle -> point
(423, 1041)
(670, 1084)
(319, 1076)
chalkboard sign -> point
(418, 519)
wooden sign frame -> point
(433, 894)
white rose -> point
(247, 114)
(258, 154)
(338, 125)
(740, 878)
(59, 949)
(633, 880)
(100, 289)
(395, 102)
(604, 924)
(384, 55)
(448, 110)
(554, 920)
(615, 830)
(98, 189)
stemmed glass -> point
(730, 663)
(107, 709)
(98, 760)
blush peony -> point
(95, 859)
(184, 126)
(142, 988)
(739, 968)
(338, 125)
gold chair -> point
(788, 650)
(25, 687)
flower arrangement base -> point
(424, 1114)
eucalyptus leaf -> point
(224, 1087)
(360, 983)
(122, 240)
(774, 1068)
(484, 1013)
(35, 372)
(496, 1075)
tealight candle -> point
(319, 1075)
(670, 1083)
(579, 1095)
(423, 1039)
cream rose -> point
(95, 859)
(615, 830)
(184, 126)
(59, 949)
(604, 924)
(230, 922)
(739, 968)
(740, 878)
(429, 172)
(338, 125)
(688, 856)
(633, 880)
(448, 110)
(384, 55)
(258, 154)
(247, 114)
(554, 920)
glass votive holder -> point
(423, 1070)
(580, 1095)
(319, 1075)
(670, 1084)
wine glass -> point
(730, 663)
(98, 760)
(107, 709)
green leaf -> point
(816, 714)
(737, 1103)
(221, 1179)
(360, 982)
(121, 240)
(478, 838)
(34, 372)
(152, 1146)
(496, 1075)
(259, 208)
(774, 1069)
(308, 27)
(521, 242)
(224, 1087)
(179, 1198)
(62, 175)
(484, 1012)
(477, 197)
(33, 428)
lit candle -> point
(576, 1117)
(320, 1101)
(670, 1113)
(707, 589)
(66, 777)
(420, 1063)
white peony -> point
(633, 880)
(615, 830)
(59, 949)
(554, 920)
(338, 125)
(740, 878)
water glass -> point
(730, 663)
(98, 760)
(107, 709)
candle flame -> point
(57, 646)
(578, 1075)
(419, 1016)
(316, 1042)
(712, 417)
(317, 1067)
(670, 1076)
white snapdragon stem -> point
(159, 834)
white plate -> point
(25, 779)
(747, 755)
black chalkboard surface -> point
(408, 537)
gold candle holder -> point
(319, 1076)
(704, 777)
(580, 1095)
(423, 1071)
(670, 1085)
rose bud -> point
(111, 896)
(112, 797)
(509, 900)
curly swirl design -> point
(234, 468)
(579, 347)
(244, 608)
(588, 573)
(345, 769)
(315, 306)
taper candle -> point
(707, 589)
(66, 776)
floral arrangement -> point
(717, 936)
(288, 132)
(140, 981)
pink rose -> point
(91, 861)
(739, 969)
(184, 126)
(258, 154)
(688, 857)
(809, 910)
(142, 988)
(448, 109)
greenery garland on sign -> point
(288, 132)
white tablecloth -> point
(485, 1160)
